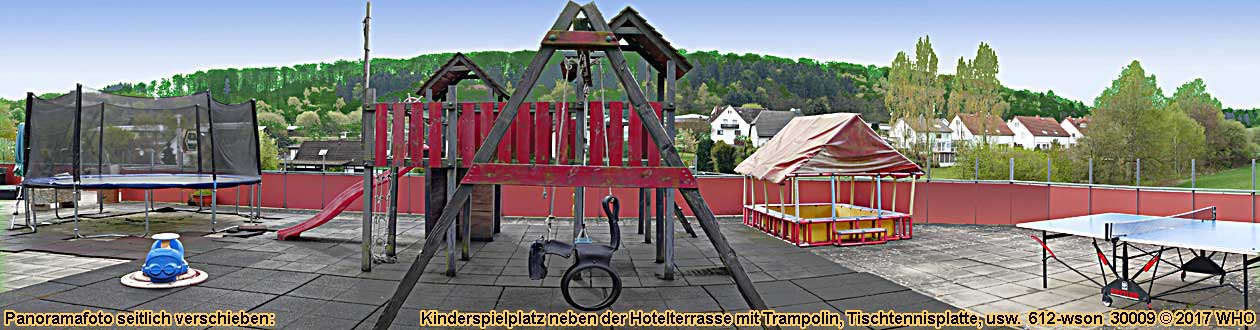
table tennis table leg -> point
(1045, 280)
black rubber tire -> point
(1106, 300)
(573, 272)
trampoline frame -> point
(32, 222)
(75, 179)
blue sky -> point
(1072, 47)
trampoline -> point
(93, 140)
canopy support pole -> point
(913, 180)
(833, 198)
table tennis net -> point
(1121, 229)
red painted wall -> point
(953, 202)
(9, 178)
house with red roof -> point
(1036, 132)
(979, 128)
(1075, 126)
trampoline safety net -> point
(91, 139)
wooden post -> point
(450, 127)
(667, 118)
(579, 147)
(369, 97)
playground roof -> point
(458, 68)
(644, 39)
(831, 144)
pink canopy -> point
(831, 144)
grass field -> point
(952, 172)
(1238, 178)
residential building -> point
(693, 122)
(908, 133)
(978, 128)
(327, 155)
(1075, 127)
(768, 123)
(729, 122)
(1038, 132)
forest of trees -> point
(331, 91)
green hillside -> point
(331, 90)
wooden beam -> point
(580, 39)
(580, 176)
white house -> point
(907, 133)
(977, 128)
(1075, 127)
(728, 122)
(1038, 132)
(768, 123)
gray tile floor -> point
(26, 268)
(315, 283)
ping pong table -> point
(1151, 236)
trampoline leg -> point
(148, 204)
(76, 211)
(214, 209)
(31, 219)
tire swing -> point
(591, 283)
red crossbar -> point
(1043, 245)
(1150, 263)
(580, 176)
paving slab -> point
(317, 283)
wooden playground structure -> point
(475, 147)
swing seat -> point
(562, 249)
(594, 253)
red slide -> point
(338, 204)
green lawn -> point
(952, 172)
(1238, 178)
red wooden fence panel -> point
(398, 138)
(435, 134)
(523, 129)
(467, 133)
(378, 152)
(615, 135)
(505, 144)
(636, 139)
(415, 134)
(570, 128)
(542, 136)
(485, 120)
(597, 133)
(654, 152)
